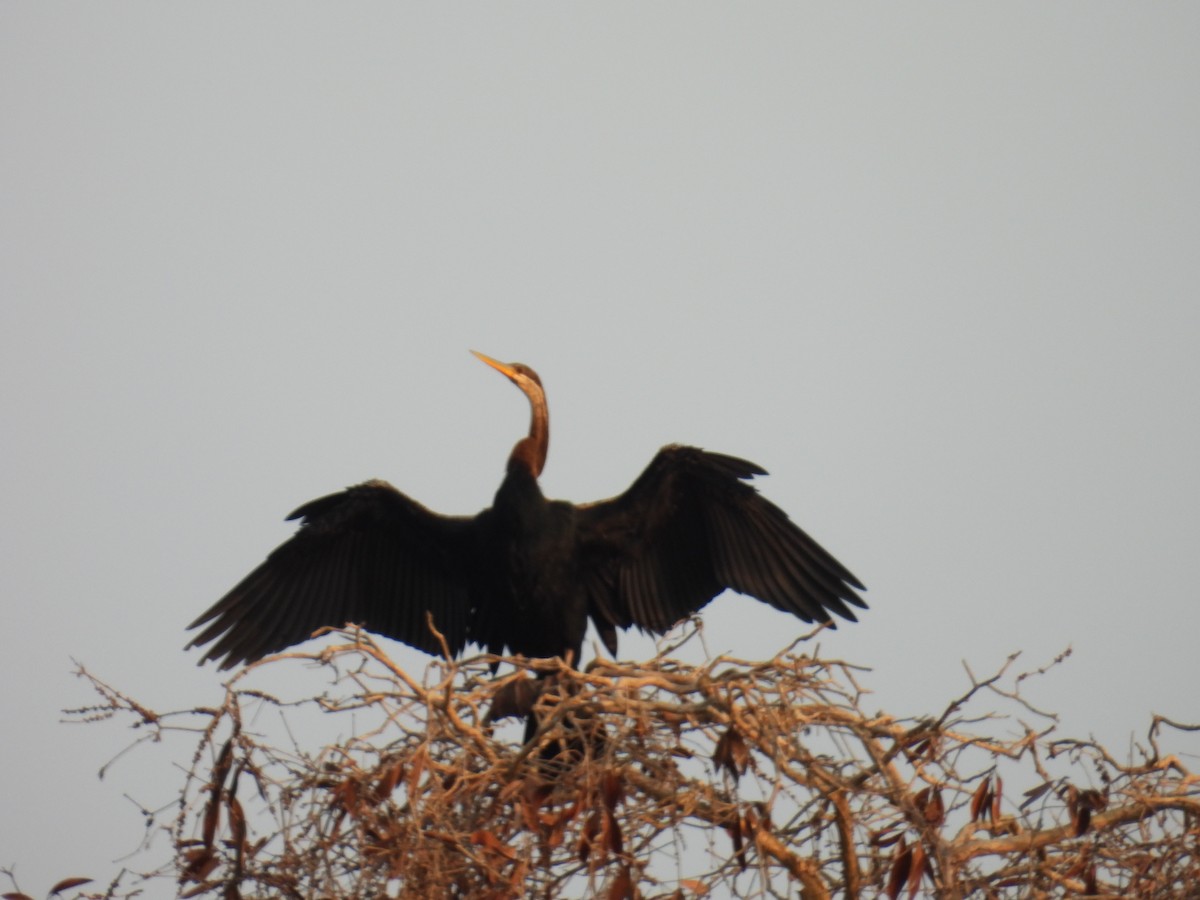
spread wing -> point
(368, 555)
(688, 528)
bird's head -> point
(518, 373)
(530, 451)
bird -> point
(526, 575)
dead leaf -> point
(1095, 800)
(612, 788)
(749, 821)
(555, 838)
(612, 834)
(739, 848)
(237, 822)
(901, 866)
(200, 863)
(212, 815)
(934, 809)
(587, 837)
(388, 779)
(1034, 793)
(529, 814)
(916, 870)
(981, 799)
(555, 824)
(1081, 804)
(1081, 818)
(517, 878)
(731, 753)
(489, 841)
(221, 769)
(886, 839)
(622, 885)
(345, 796)
(67, 883)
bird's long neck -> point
(531, 451)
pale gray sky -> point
(934, 266)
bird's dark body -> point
(527, 574)
(537, 571)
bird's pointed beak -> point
(497, 365)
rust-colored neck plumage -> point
(531, 451)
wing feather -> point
(689, 527)
(368, 555)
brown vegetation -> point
(661, 779)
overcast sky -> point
(934, 266)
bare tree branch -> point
(735, 778)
